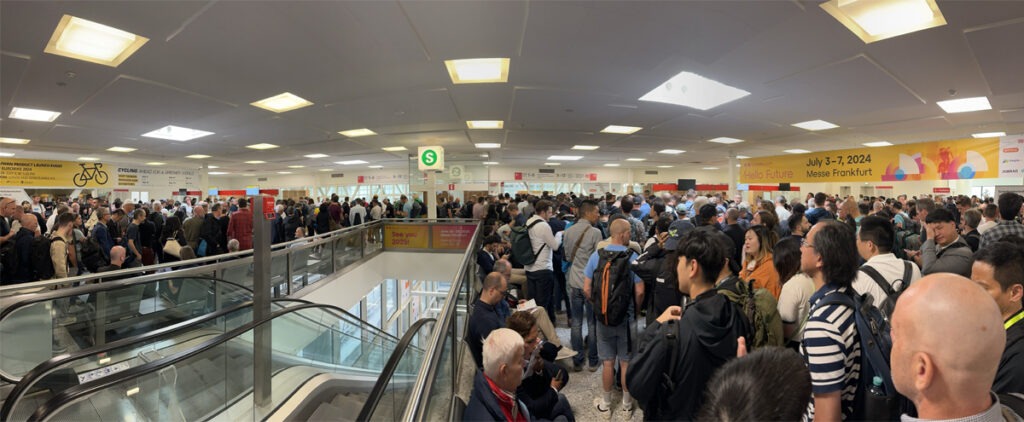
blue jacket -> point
(102, 235)
(483, 320)
(482, 404)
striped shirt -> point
(831, 350)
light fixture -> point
(710, 168)
(485, 124)
(282, 102)
(297, 167)
(197, 156)
(85, 40)
(695, 91)
(815, 125)
(478, 71)
(741, 157)
(16, 141)
(622, 130)
(376, 167)
(664, 167)
(284, 172)
(989, 135)
(120, 149)
(636, 159)
(350, 162)
(88, 159)
(487, 145)
(738, 165)
(262, 146)
(315, 155)
(585, 147)
(175, 133)
(355, 133)
(132, 391)
(484, 155)
(611, 164)
(325, 169)
(34, 114)
(248, 174)
(877, 144)
(213, 167)
(155, 163)
(565, 157)
(490, 163)
(796, 151)
(725, 140)
(6, 154)
(963, 105)
(218, 173)
(395, 149)
(552, 164)
(873, 20)
(256, 162)
(671, 151)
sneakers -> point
(576, 367)
(627, 409)
(593, 368)
(565, 353)
(604, 408)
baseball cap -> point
(676, 231)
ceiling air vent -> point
(261, 179)
(654, 172)
(549, 171)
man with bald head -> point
(193, 226)
(614, 342)
(117, 256)
(947, 336)
(23, 241)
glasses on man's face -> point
(805, 243)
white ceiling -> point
(575, 68)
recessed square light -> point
(989, 135)
(815, 125)
(120, 149)
(16, 141)
(565, 157)
(671, 151)
(490, 163)
(262, 146)
(695, 91)
(478, 71)
(664, 167)
(85, 40)
(395, 149)
(622, 130)
(355, 133)
(255, 162)
(878, 20)
(376, 167)
(350, 162)
(88, 159)
(877, 144)
(197, 156)
(964, 105)
(155, 163)
(636, 159)
(611, 164)
(552, 164)
(175, 133)
(315, 155)
(585, 147)
(282, 102)
(709, 168)
(796, 151)
(284, 172)
(741, 157)
(6, 154)
(485, 124)
(218, 173)
(297, 167)
(724, 140)
(486, 145)
(34, 114)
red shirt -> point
(240, 227)
(506, 402)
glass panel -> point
(443, 387)
(396, 395)
(279, 274)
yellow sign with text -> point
(23, 172)
(939, 160)
(406, 236)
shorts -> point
(615, 342)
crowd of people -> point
(705, 307)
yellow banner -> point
(939, 160)
(22, 172)
(406, 236)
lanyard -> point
(1009, 323)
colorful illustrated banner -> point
(49, 173)
(406, 236)
(939, 160)
(453, 236)
(1011, 156)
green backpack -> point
(761, 309)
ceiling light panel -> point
(486, 145)
(694, 91)
(282, 102)
(815, 125)
(478, 71)
(965, 105)
(877, 144)
(671, 151)
(796, 151)
(197, 156)
(213, 167)
(989, 135)
(15, 141)
(6, 154)
(155, 163)
(552, 164)
(490, 163)
(88, 158)
(611, 164)
(664, 167)
(256, 162)
(724, 140)
(585, 147)
(218, 173)
(175, 133)
(376, 167)
(485, 124)
(284, 172)
(262, 146)
(873, 20)
(622, 130)
(315, 155)
(565, 157)
(355, 133)
(350, 162)
(34, 114)
(395, 149)
(636, 159)
(297, 167)
(742, 157)
(120, 149)
(710, 168)
(93, 42)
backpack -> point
(906, 239)
(92, 255)
(612, 291)
(760, 308)
(890, 295)
(42, 262)
(875, 348)
(357, 219)
(522, 249)
(1012, 403)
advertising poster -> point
(456, 237)
(1011, 155)
(70, 174)
(406, 236)
(939, 160)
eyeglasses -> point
(805, 243)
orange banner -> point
(406, 236)
(452, 236)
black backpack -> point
(92, 255)
(357, 219)
(42, 262)
(890, 295)
(612, 290)
(522, 248)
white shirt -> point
(782, 213)
(375, 212)
(988, 224)
(891, 268)
(358, 209)
(540, 235)
(39, 208)
(794, 302)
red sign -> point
(268, 208)
(664, 186)
(452, 236)
(519, 175)
(360, 179)
(451, 186)
(592, 177)
(771, 188)
(175, 193)
(941, 190)
(712, 187)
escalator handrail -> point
(370, 406)
(72, 394)
(31, 377)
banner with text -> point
(406, 236)
(49, 173)
(939, 160)
(1011, 156)
(456, 237)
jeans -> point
(582, 309)
(560, 294)
(541, 286)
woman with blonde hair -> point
(758, 262)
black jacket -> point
(23, 244)
(536, 394)
(483, 406)
(1010, 376)
(210, 232)
(483, 320)
(657, 267)
(669, 374)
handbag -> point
(172, 247)
(201, 251)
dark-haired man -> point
(944, 251)
(540, 276)
(484, 317)
(997, 268)
(798, 225)
(579, 242)
(874, 243)
(819, 212)
(1009, 208)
